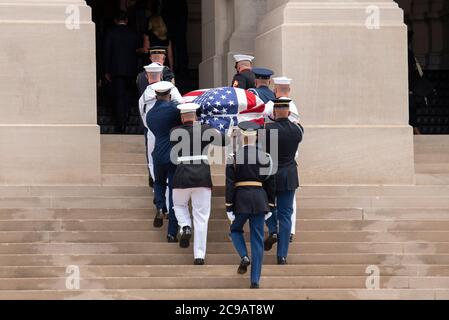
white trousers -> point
(151, 140)
(201, 203)
(294, 216)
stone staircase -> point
(107, 232)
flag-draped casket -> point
(226, 106)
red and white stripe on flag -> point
(250, 106)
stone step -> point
(305, 191)
(128, 169)
(145, 214)
(216, 224)
(75, 191)
(217, 259)
(400, 214)
(432, 168)
(124, 158)
(146, 202)
(218, 236)
(149, 271)
(432, 179)
(433, 157)
(236, 281)
(229, 294)
(220, 247)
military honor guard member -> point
(289, 135)
(282, 91)
(192, 179)
(250, 195)
(160, 120)
(263, 81)
(147, 101)
(157, 55)
(245, 78)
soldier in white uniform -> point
(154, 73)
(282, 91)
(192, 179)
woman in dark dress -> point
(157, 35)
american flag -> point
(224, 107)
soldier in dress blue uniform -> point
(157, 55)
(263, 81)
(245, 78)
(250, 195)
(161, 119)
(289, 135)
(192, 179)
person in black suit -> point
(120, 66)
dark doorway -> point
(183, 22)
(428, 59)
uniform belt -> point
(192, 158)
(249, 184)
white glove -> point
(231, 216)
(268, 215)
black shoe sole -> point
(196, 263)
(185, 241)
(268, 244)
(158, 222)
(243, 268)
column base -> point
(342, 155)
(50, 155)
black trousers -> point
(123, 91)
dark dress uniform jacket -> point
(250, 200)
(264, 93)
(120, 57)
(194, 174)
(142, 80)
(163, 117)
(244, 80)
(289, 136)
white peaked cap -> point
(188, 107)
(162, 86)
(154, 68)
(282, 81)
(243, 57)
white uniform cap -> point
(282, 81)
(243, 57)
(162, 87)
(188, 107)
(154, 68)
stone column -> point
(216, 28)
(48, 130)
(246, 17)
(350, 83)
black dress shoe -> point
(291, 237)
(185, 237)
(282, 260)
(254, 286)
(159, 218)
(270, 241)
(243, 267)
(198, 262)
(172, 239)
